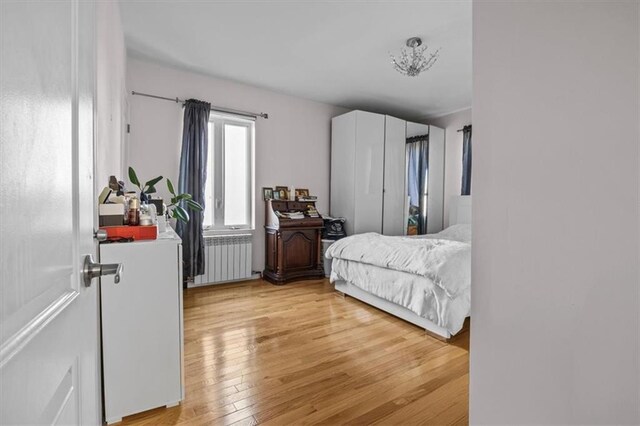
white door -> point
(369, 172)
(49, 354)
(395, 176)
(343, 158)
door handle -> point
(100, 235)
(92, 270)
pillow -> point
(460, 232)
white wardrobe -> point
(368, 172)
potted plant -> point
(177, 208)
(147, 188)
(179, 202)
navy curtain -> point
(418, 172)
(193, 172)
(466, 160)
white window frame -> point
(216, 169)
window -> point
(229, 186)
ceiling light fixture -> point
(413, 61)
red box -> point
(135, 232)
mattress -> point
(430, 277)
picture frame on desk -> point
(267, 193)
(275, 195)
(301, 193)
(284, 192)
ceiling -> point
(332, 52)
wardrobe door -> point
(369, 172)
(343, 158)
(394, 193)
(418, 176)
(435, 201)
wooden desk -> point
(292, 246)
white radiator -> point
(227, 258)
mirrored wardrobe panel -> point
(425, 178)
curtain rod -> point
(462, 130)
(417, 138)
(213, 108)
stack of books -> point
(312, 212)
(294, 215)
(308, 198)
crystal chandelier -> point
(413, 61)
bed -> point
(424, 280)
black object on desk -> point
(333, 228)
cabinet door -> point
(369, 172)
(343, 158)
(271, 251)
(141, 320)
(395, 193)
(299, 249)
(435, 200)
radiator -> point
(227, 258)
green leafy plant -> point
(146, 189)
(177, 208)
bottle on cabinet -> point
(134, 211)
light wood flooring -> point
(300, 353)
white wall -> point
(555, 329)
(292, 146)
(451, 123)
(111, 93)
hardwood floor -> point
(300, 353)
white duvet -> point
(429, 275)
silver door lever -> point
(100, 235)
(93, 270)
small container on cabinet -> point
(292, 246)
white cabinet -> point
(369, 174)
(357, 160)
(360, 142)
(142, 326)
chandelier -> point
(413, 61)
